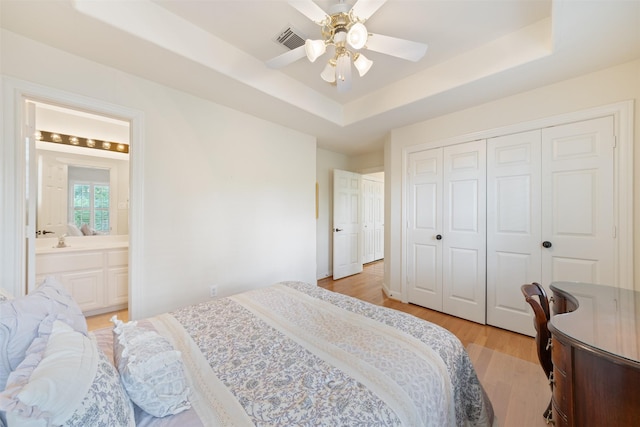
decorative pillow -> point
(20, 319)
(65, 379)
(73, 230)
(151, 370)
(87, 231)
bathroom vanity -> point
(94, 269)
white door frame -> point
(13, 255)
(623, 113)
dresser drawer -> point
(560, 419)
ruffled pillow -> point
(20, 319)
(5, 295)
(151, 370)
(65, 379)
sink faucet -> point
(61, 242)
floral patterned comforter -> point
(294, 354)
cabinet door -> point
(424, 223)
(577, 206)
(464, 231)
(513, 227)
(118, 286)
(86, 288)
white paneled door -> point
(52, 204)
(550, 214)
(513, 227)
(347, 220)
(446, 230)
(372, 219)
(368, 220)
(424, 225)
(577, 212)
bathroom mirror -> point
(82, 178)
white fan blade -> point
(400, 48)
(363, 9)
(287, 58)
(309, 9)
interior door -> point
(378, 221)
(513, 227)
(464, 231)
(347, 223)
(368, 220)
(577, 211)
(424, 228)
(28, 136)
(53, 195)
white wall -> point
(228, 198)
(608, 86)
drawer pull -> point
(549, 344)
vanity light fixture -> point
(59, 138)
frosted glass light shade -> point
(329, 73)
(343, 68)
(357, 36)
(314, 48)
(362, 64)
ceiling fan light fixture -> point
(314, 49)
(362, 64)
(329, 73)
(357, 35)
(343, 67)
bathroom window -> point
(89, 198)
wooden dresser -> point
(596, 355)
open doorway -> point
(358, 221)
(78, 173)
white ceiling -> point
(479, 50)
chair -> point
(541, 311)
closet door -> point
(550, 213)
(464, 231)
(577, 209)
(513, 227)
(424, 224)
(446, 253)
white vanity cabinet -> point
(97, 278)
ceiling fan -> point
(343, 28)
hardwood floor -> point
(367, 286)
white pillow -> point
(151, 370)
(21, 317)
(73, 230)
(65, 379)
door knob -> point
(337, 229)
(546, 244)
(438, 236)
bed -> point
(290, 354)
